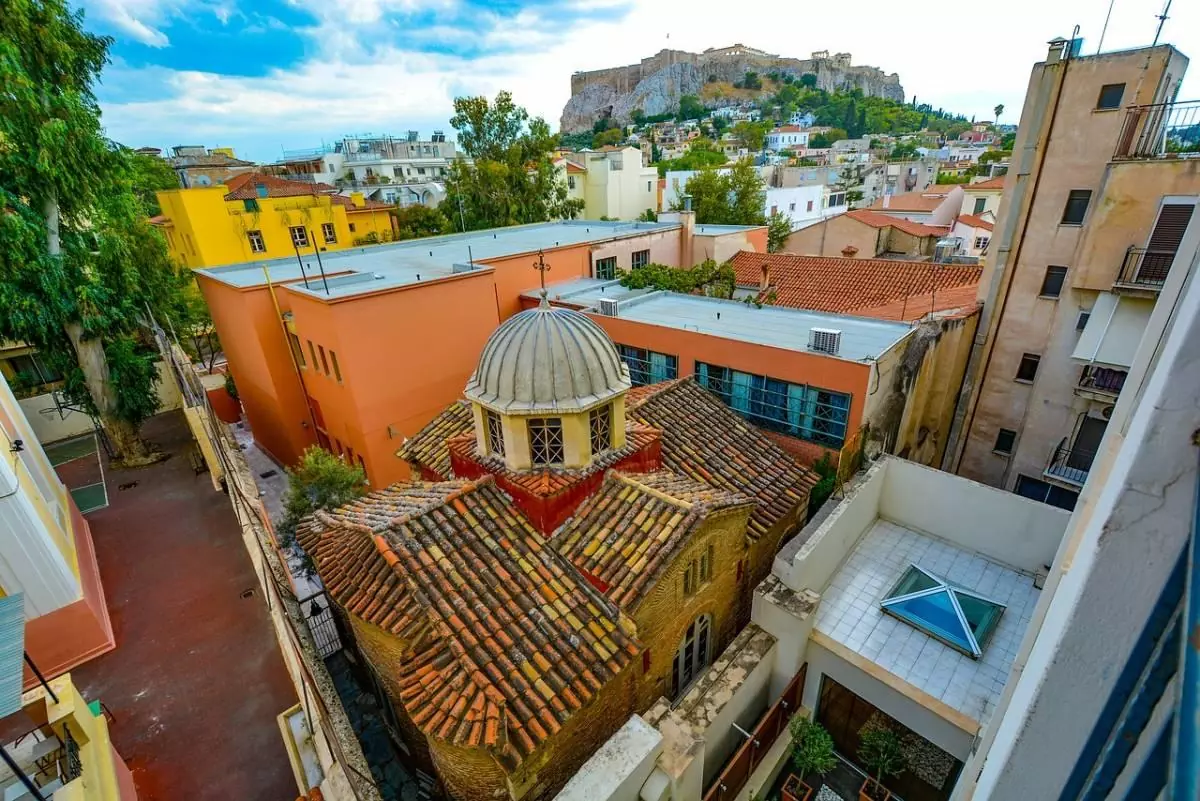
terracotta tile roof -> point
(975, 221)
(368, 205)
(508, 640)
(245, 187)
(427, 448)
(883, 220)
(924, 200)
(990, 185)
(706, 441)
(625, 533)
(863, 287)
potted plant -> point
(880, 751)
(812, 752)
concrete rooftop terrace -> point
(775, 326)
(375, 267)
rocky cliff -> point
(656, 84)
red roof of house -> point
(245, 186)
(884, 220)
(924, 200)
(368, 205)
(884, 288)
(975, 221)
(991, 184)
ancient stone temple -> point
(578, 551)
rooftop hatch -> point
(958, 617)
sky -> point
(263, 76)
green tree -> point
(1008, 141)
(779, 228)
(827, 139)
(151, 174)
(649, 215)
(79, 264)
(881, 752)
(752, 133)
(954, 179)
(812, 747)
(416, 221)
(903, 151)
(701, 153)
(999, 109)
(809, 80)
(751, 80)
(612, 136)
(690, 108)
(637, 117)
(319, 480)
(510, 179)
(733, 197)
(994, 155)
(707, 277)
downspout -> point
(960, 434)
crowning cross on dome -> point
(542, 268)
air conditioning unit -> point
(607, 307)
(825, 340)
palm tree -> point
(999, 109)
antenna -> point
(1162, 18)
(1104, 30)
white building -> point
(801, 204)
(787, 136)
(611, 182)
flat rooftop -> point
(375, 267)
(863, 339)
(850, 613)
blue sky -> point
(265, 75)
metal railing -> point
(1102, 379)
(1070, 463)
(1160, 130)
(319, 617)
(1145, 269)
(71, 765)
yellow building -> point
(256, 216)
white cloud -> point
(965, 65)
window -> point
(692, 656)
(495, 433)
(640, 258)
(257, 245)
(420, 170)
(328, 232)
(261, 190)
(951, 614)
(601, 429)
(647, 366)
(1045, 492)
(570, 182)
(1076, 208)
(706, 564)
(1052, 282)
(810, 413)
(1110, 95)
(791, 207)
(981, 242)
(809, 207)
(324, 361)
(250, 204)
(1028, 367)
(1005, 439)
(351, 227)
(980, 205)
(397, 172)
(606, 269)
(337, 371)
(299, 236)
(545, 441)
(29, 374)
(648, 189)
(297, 351)
(312, 351)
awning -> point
(12, 652)
(1114, 330)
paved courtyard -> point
(196, 680)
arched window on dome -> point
(600, 420)
(695, 651)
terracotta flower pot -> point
(796, 790)
(870, 791)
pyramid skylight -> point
(959, 617)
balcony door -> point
(1087, 443)
(1173, 219)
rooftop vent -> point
(825, 340)
(607, 307)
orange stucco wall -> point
(260, 361)
(515, 274)
(403, 354)
(800, 368)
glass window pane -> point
(935, 615)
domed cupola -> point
(549, 390)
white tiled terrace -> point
(850, 614)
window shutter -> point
(1173, 219)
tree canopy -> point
(413, 222)
(511, 179)
(700, 154)
(731, 197)
(752, 133)
(690, 108)
(79, 263)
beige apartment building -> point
(1104, 180)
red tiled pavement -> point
(196, 679)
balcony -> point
(1161, 130)
(1101, 383)
(1144, 270)
(1070, 463)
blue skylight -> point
(960, 618)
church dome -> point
(547, 359)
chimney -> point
(849, 251)
(358, 199)
(765, 281)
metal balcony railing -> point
(1102, 379)
(1161, 130)
(1145, 269)
(1071, 464)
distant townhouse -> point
(612, 182)
(938, 204)
(867, 234)
(983, 197)
(196, 165)
(786, 137)
(801, 202)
